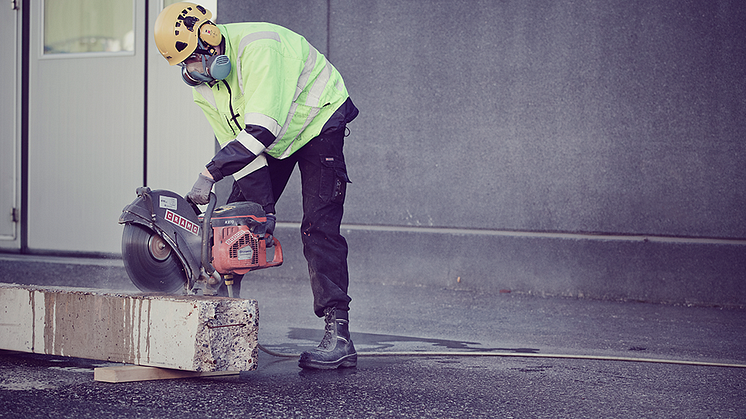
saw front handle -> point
(277, 258)
(207, 235)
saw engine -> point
(239, 244)
(167, 246)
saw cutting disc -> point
(150, 262)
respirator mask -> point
(205, 65)
(201, 68)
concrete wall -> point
(537, 146)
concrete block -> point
(191, 333)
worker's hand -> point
(270, 230)
(200, 193)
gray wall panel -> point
(548, 116)
(308, 18)
(540, 116)
(610, 118)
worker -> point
(274, 102)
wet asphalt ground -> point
(462, 354)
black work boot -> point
(336, 348)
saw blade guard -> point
(171, 222)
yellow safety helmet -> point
(178, 30)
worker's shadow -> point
(374, 342)
(368, 344)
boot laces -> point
(330, 330)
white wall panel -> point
(9, 130)
(85, 142)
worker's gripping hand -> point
(270, 230)
(200, 193)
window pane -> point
(77, 26)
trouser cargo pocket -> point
(334, 180)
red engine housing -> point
(238, 239)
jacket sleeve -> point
(238, 153)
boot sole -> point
(348, 361)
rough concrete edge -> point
(227, 336)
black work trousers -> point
(324, 182)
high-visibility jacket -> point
(278, 96)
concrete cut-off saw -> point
(168, 246)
